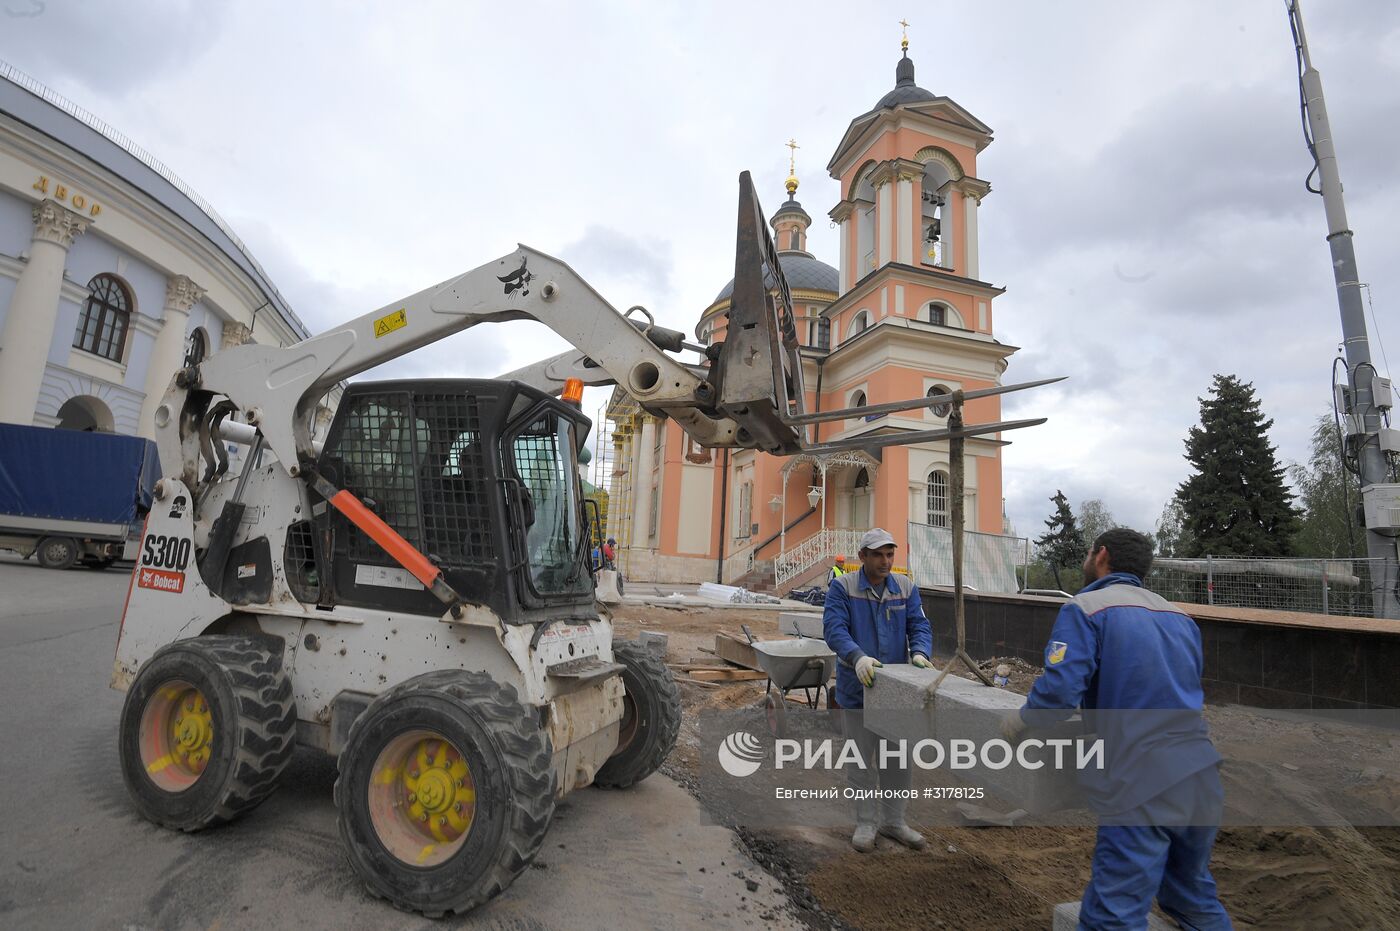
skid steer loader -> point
(415, 595)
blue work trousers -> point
(1161, 850)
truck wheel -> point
(58, 552)
(651, 717)
(445, 792)
(207, 727)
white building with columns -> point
(113, 273)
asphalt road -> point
(74, 854)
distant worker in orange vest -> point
(837, 570)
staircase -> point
(817, 551)
(811, 577)
(759, 579)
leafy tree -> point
(1237, 503)
(1328, 493)
(1173, 539)
(1094, 519)
(1062, 544)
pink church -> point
(903, 314)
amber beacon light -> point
(573, 391)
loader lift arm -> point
(750, 396)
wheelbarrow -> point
(801, 663)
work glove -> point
(865, 670)
(920, 660)
(1013, 728)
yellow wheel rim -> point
(176, 736)
(422, 798)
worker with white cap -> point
(871, 618)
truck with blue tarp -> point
(70, 497)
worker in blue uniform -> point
(872, 617)
(1133, 663)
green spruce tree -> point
(1062, 544)
(1237, 503)
(1328, 492)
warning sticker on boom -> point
(388, 324)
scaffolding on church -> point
(619, 424)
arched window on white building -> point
(102, 326)
(198, 347)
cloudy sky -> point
(1148, 216)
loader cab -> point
(480, 476)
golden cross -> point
(904, 33)
(792, 156)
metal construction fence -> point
(1316, 586)
(991, 562)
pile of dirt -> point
(940, 890)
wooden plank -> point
(1273, 618)
(733, 650)
(726, 675)
(704, 685)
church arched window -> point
(937, 498)
(941, 314)
(944, 409)
(859, 323)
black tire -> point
(250, 713)
(651, 717)
(508, 756)
(58, 552)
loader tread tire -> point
(250, 698)
(653, 717)
(511, 762)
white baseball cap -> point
(874, 539)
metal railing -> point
(1316, 586)
(822, 546)
(121, 140)
(991, 562)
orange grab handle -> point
(396, 546)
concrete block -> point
(895, 708)
(801, 624)
(1066, 918)
(605, 587)
(655, 641)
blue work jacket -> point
(1134, 663)
(856, 623)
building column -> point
(168, 353)
(841, 215)
(24, 346)
(884, 216)
(954, 256)
(970, 204)
(641, 487)
(843, 236)
(904, 223)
